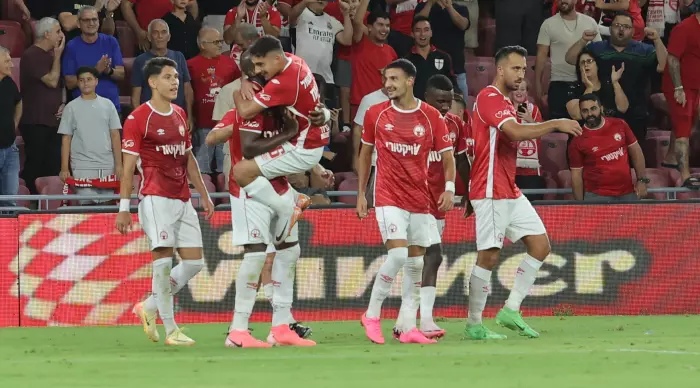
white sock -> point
(524, 279)
(179, 276)
(283, 273)
(162, 290)
(262, 191)
(406, 300)
(427, 301)
(246, 291)
(413, 273)
(478, 293)
(395, 259)
(269, 292)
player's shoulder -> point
(615, 123)
(449, 116)
(490, 93)
(377, 109)
(430, 111)
(178, 110)
(141, 112)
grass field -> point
(572, 352)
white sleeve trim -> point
(188, 148)
(130, 152)
(504, 121)
(364, 142)
(445, 149)
(260, 103)
(249, 130)
(575, 168)
(461, 152)
(633, 143)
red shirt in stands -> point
(637, 20)
(162, 143)
(602, 154)
(147, 10)
(333, 9)
(528, 162)
(403, 140)
(253, 17)
(436, 172)
(263, 124)
(685, 45)
(493, 170)
(295, 87)
(465, 144)
(401, 16)
(368, 62)
(208, 76)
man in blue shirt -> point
(159, 36)
(97, 50)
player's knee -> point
(538, 246)
(488, 259)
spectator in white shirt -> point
(374, 98)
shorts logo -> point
(254, 233)
(501, 237)
(419, 130)
(163, 235)
(392, 228)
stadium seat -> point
(480, 73)
(550, 183)
(12, 38)
(125, 84)
(487, 37)
(23, 190)
(654, 150)
(564, 178)
(127, 39)
(348, 185)
(659, 178)
(694, 145)
(221, 187)
(15, 71)
(342, 176)
(554, 149)
(49, 185)
(207, 178)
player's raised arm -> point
(518, 132)
(195, 177)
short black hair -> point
(624, 14)
(321, 85)
(439, 82)
(504, 52)
(265, 45)
(403, 64)
(87, 69)
(377, 14)
(589, 97)
(418, 19)
(155, 66)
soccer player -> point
(404, 130)
(291, 84)
(501, 210)
(157, 139)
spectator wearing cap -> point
(427, 59)
(448, 21)
(139, 14)
(401, 13)
(183, 29)
(10, 114)
(67, 11)
(97, 50)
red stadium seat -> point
(50, 185)
(480, 73)
(550, 183)
(23, 190)
(221, 183)
(342, 176)
(487, 37)
(127, 39)
(676, 182)
(15, 71)
(207, 178)
(564, 178)
(348, 185)
(554, 149)
(13, 38)
(125, 84)
(654, 150)
(694, 151)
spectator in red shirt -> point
(370, 55)
(210, 71)
(401, 35)
(681, 86)
(599, 159)
(528, 174)
(147, 10)
(265, 17)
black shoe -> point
(302, 331)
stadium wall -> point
(75, 269)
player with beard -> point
(439, 94)
(404, 131)
(291, 84)
(501, 210)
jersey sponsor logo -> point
(615, 155)
(447, 139)
(250, 124)
(434, 157)
(503, 113)
(127, 143)
(172, 149)
(419, 130)
(439, 63)
(617, 137)
(403, 149)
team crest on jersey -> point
(419, 130)
(439, 63)
(453, 136)
(617, 137)
(181, 128)
(330, 27)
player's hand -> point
(208, 207)
(58, 50)
(467, 204)
(59, 113)
(345, 7)
(361, 206)
(589, 35)
(124, 222)
(641, 190)
(651, 34)
(64, 174)
(679, 95)
(112, 5)
(264, 9)
(248, 89)
(570, 127)
(317, 117)
(446, 201)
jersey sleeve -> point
(368, 127)
(274, 17)
(279, 91)
(678, 42)
(134, 132)
(575, 156)
(543, 37)
(230, 118)
(230, 17)
(464, 134)
(441, 137)
(494, 109)
(630, 139)
(254, 125)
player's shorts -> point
(398, 224)
(683, 117)
(499, 218)
(170, 223)
(436, 232)
(252, 221)
(287, 160)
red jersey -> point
(602, 154)
(368, 62)
(148, 10)
(208, 76)
(401, 16)
(465, 144)
(684, 44)
(493, 170)
(528, 162)
(263, 124)
(403, 140)
(637, 20)
(162, 142)
(436, 173)
(295, 87)
(253, 17)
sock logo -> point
(520, 271)
(386, 278)
(485, 289)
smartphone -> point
(522, 108)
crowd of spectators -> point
(81, 73)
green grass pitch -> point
(620, 352)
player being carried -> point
(290, 83)
(501, 210)
(439, 94)
(156, 138)
(404, 131)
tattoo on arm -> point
(674, 67)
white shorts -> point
(252, 221)
(398, 224)
(287, 160)
(170, 223)
(499, 218)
